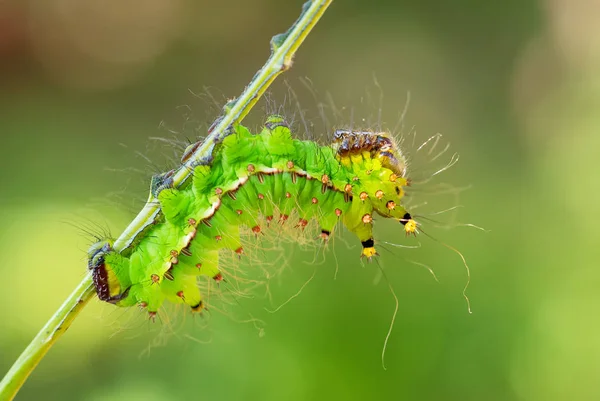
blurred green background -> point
(512, 85)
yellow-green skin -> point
(269, 174)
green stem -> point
(283, 48)
(37, 348)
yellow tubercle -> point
(369, 252)
(410, 227)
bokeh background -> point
(513, 85)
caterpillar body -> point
(268, 175)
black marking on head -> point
(405, 218)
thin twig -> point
(283, 48)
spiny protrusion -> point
(338, 212)
(152, 316)
(240, 251)
(347, 192)
(288, 195)
(218, 238)
(192, 222)
(218, 277)
(239, 212)
(314, 201)
(391, 205)
(180, 295)
(219, 191)
(199, 265)
(251, 168)
(142, 305)
(174, 256)
(261, 196)
(379, 194)
(290, 164)
(269, 219)
(363, 196)
(256, 230)
(367, 219)
(393, 177)
(283, 218)
(155, 278)
(325, 235)
(302, 223)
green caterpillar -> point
(249, 176)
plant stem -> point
(283, 48)
(37, 348)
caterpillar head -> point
(107, 267)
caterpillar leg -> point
(368, 250)
(359, 220)
(183, 289)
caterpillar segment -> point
(252, 179)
